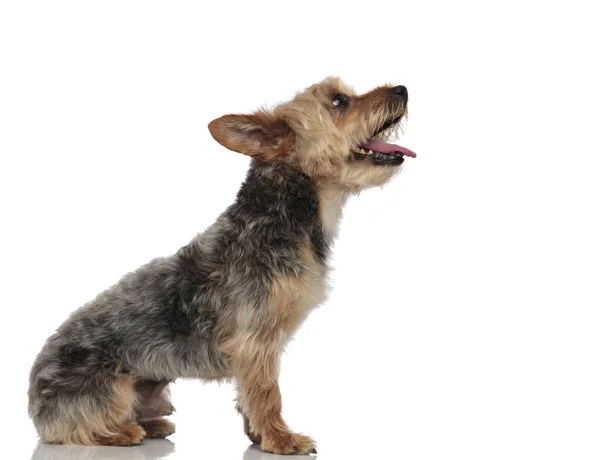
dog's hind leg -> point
(153, 400)
(154, 403)
(100, 415)
(128, 433)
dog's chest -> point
(293, 297)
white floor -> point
(464, 319)
(149, 450)
(434, 415)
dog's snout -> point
(399, 92)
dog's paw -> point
(160, 428)
(288, 443)
(130, 434)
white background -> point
(464, 317)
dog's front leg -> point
(256, 367)
(254, 437)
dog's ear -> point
(261, 135)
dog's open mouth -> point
(382, 153)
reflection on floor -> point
(150, 449)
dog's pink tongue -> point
(382, 147)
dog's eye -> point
(340, 100)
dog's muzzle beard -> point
(381, 153)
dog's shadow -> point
(150, 449)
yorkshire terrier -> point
(224, 306)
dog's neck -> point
(277, 188)
(332, 199)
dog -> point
(224, 306)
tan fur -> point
(255, 352)
(312, 135)
(319, 140)
(124, 398)
(259, 135)
(129, 434)
(108, 427)
(255, 362)
(293, 297)
(254, 437)
(257, 369)
(331, 202)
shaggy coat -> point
(224, 305)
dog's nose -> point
(400, 92)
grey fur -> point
(163, 321)
(243, 285)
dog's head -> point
(327, 131)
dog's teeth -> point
(370, 152)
